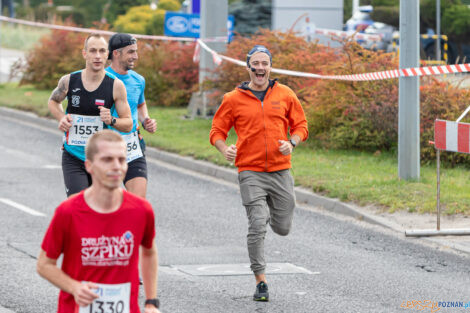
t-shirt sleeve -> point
(149, 232)
(53, 242)
(142, 92)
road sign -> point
(188, 25)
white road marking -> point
(21, 207)
(52, 167)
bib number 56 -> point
(131, 146)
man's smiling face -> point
(262, 64)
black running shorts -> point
(136, 168)
(76, 178)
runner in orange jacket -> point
(263, 112)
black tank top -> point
(82, 102)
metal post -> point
(214, 16)
(1, 48)
(355, 6)
(438, 30)
(408, 102)
(438, 199)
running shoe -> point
(261, 293)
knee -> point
(281, 231)
(257, 226)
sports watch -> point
(293, 143)
(155, 302)
(113, 121)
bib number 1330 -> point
(113, 299)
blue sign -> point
(188, 25)
(196, 6)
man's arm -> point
(124, 122)
(148, 123)
(229, 152)
(55, 103)
(47, 268)
(286, 147)
(149, 265)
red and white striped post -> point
(448, 136)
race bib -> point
(83, 126)
(114, 298)
(133, 146)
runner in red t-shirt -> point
(99, 232)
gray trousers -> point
(268, 198)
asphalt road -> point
(344, 265)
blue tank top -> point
(135, 87)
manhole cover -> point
(239, 269)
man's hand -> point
(83, 293)
(150, 125)
(230, 153)
(65, 123)
(105, 115)
(285, 147)
(151, 309)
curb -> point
(303, 195)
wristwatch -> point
(113, 121)
(155, 302)
(293, 143)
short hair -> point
(92, 146)
(94, 35)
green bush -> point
(387, 15)
(143, 20)
(169, 5)
(135, 20)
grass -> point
(363, 178)
(20, 37)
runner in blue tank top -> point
(91, 94)
(123, 54)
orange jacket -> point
(259, 126)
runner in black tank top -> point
(91, 93)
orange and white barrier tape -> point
(406, 72)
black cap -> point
(118, 41)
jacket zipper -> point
(264, 124)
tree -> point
(120, 7)
(251, 15)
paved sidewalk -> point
(396, 222)
(7, 58)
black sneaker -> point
(261, 293)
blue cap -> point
(255, 49)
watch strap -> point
(292, 142)
(155, 302)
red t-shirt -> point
(100, 247)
